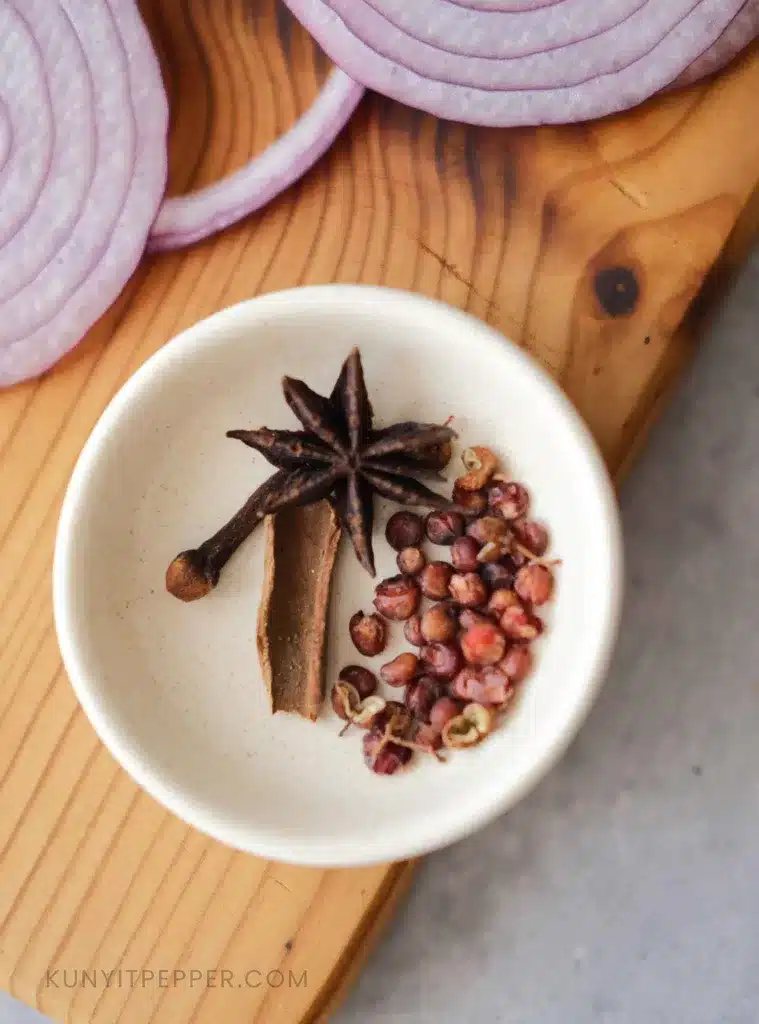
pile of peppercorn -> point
(473, 643)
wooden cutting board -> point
(587, 245)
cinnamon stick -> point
(301, 547)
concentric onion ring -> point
(186, 219)
(551, 64)
(83, 149)
(487, 63)
(84, 123)
(454, 30)
(507, 5)
(738, 34)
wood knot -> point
(617, 290)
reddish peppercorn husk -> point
(509, 500)
(498, 576)
(465, 656)
(493, 551)
(397, 598)
(434, 579)
(404, 530)
(339, 699)
(464, 553)
(399, 714)
(411, 561)
(442, 661)
(483, 644)
(519, 558)
(500, 600)
(481, 463)
(421, 695)
(488, 530)
(533, 535)
(347, 704)
(472, 503)
(492, 677)
(383, 756)
(517, 663)
(469, 617)
(412, 630)
(364, 681)
(474, 723)
(400, 670)
(444, 527)
(438, 624)
(534, 584)
(487, 686)
(518, 624)
(427, 737)
(468, 589)
(443, 710)
(368, 634)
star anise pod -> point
(338, 455)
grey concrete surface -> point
(625, 889)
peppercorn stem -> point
(424, 748)
(533, 558)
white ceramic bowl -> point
(175, 691)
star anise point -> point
(339, 455)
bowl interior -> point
(176, 691)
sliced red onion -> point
(551, 65)
(187, 219)
(739, 33)
(83, 130)
(507, 5)
(83, 124)
(414, 52)
(453, 29)
(83, 121)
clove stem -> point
(195, 572)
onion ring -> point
(465, 32)
(508, 6)
(83, 154)
(618, 70)
(186, 219)
(553, 65)
(85, 122)
(742, 29)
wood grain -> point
(586, 245)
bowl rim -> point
(240, 836)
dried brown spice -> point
(471, 727)
(194, 573)
(474, 646)
(338, 455)
(301, 546)
(481, 464)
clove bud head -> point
(189, 577)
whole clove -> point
(195, 572)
